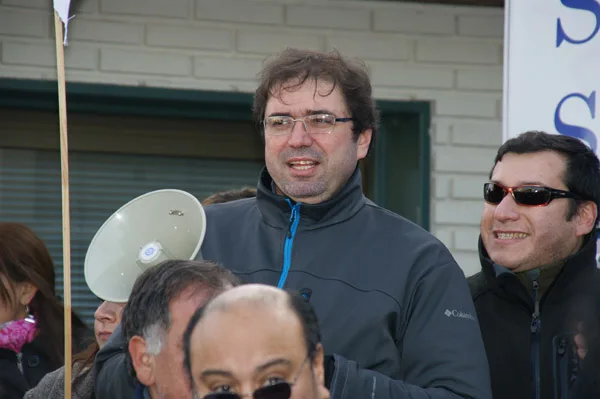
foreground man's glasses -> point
(281, 390)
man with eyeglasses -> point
(537, 248)
(396, 316)
(255, 341)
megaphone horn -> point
(154, 227)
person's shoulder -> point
(478, 285)
(401, 228)
(50, 386)
(225, 213)
(418, 248)
(390, 218)
(240, 205)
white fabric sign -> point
(552, 68)
(62, 9)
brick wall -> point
(449, 55)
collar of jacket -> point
(582, 261)
(276, 210)
(141, 391)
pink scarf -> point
(15, 334)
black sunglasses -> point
(281, 390)
(493, 193)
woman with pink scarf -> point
(31, 316)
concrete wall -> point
(449, 55)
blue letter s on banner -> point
(573, 130)
(586, 5)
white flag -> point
(62, 9)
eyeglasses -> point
(493, 193)
(281, 390)
(313, 124)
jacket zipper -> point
(536, 325)
(20, 362)
(560, 368)
(289, 242)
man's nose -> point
(507, 209)
(299, 136)
(104, 312)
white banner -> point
(552, 68)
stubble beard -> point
(304, 189)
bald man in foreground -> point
(255, 340)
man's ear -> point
(585, 218)
(26, 291)
(363, 142)
(318, 365)
(143, 363)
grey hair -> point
(147, 311)
(155, 337)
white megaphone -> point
(156, 226)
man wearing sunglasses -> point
(537, 249)
(255, 341)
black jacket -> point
(587, 384)
(393, 305)
(532, 352)
(35, 364)
(13, 384)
